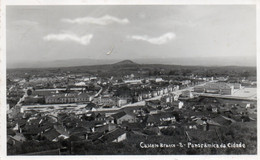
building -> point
(160, 119)
(178, 104)
(170, 98)
(123, 100)
(67, 98)
(133, 81)
(105, 101)
(158, 79)
(121, 117)
(187, 94)
(236, 85)
(199, 89)
(215, 88)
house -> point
(32, 130)
(236, 85)
(100, 117)
(105, 100)
(105, 128)
(152, 130)
(123, 100)
(191, 125)
(121, 117)
(158, 79)
(133, 81)
(153, 103)
(199, 89)
(91, 107)
(80, 132)
(154, 93)
(51, 135)
(186, 94)
(198, 107)
(62, 130)
(82, 97)
(215, 109)
(152, 110)
(169, 98)
(221, 121)
(19, 137)
(134, 126)
(177, 104)
(161, 118)
(138, 98)
(146, 94)
(117, 135)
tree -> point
(29, 92)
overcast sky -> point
(45, 33)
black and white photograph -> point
(124, 79)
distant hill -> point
(125, 62)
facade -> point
(236, 85)
(134, 81)
(215, 88)
(66, 98)
(199, 89)
(160, 118)
(187, 94)
(106, 101)
(178, 104)
(123, 100)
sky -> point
(48, 33)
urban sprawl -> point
(84, 113)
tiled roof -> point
(111, 136)
(118, 115)
(51, 134)
(77, 130)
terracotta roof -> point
(118, 115)
(111, 136)
(51, 134)
(78, 130)
(222, 121)
(32, 129)
(19, 137)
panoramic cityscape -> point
(95, 80)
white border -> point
(4, 3)
(126, 2)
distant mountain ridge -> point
(190, 61)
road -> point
(142, 103)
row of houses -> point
(157, 92)
(68, 98)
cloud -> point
(83, 40)
(155, 40)
(105, 20)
